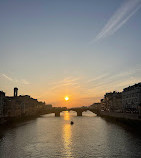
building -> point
(103, 105)
(49, 105)
(2, 98)
(95, 106)
(112, 101)
(23, 105)
(131, 98)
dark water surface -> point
(54, 137)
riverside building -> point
(112, 101)
(2, 97)
(131, 98)
(23, 106)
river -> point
(53, 137)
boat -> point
(71, 122)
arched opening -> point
(70, 112)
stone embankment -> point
(132, 119)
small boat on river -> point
(71, 122)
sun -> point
(66, 98)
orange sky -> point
(81, 90)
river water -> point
(53, 137)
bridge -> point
(78, 110)
(57, 110)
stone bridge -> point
(78, 110)
(57, 110)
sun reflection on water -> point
(67, 136)
(66, 115)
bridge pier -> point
(79, 113)
(57, 114)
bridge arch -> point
(80, 110)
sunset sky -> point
(82, 49)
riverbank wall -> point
(128, 118)
(8, 120)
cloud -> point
(120, 17)
(98, 78)
(91, 98)
(117, 81)
(22, 81)
(6, 77)
(67, 82)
